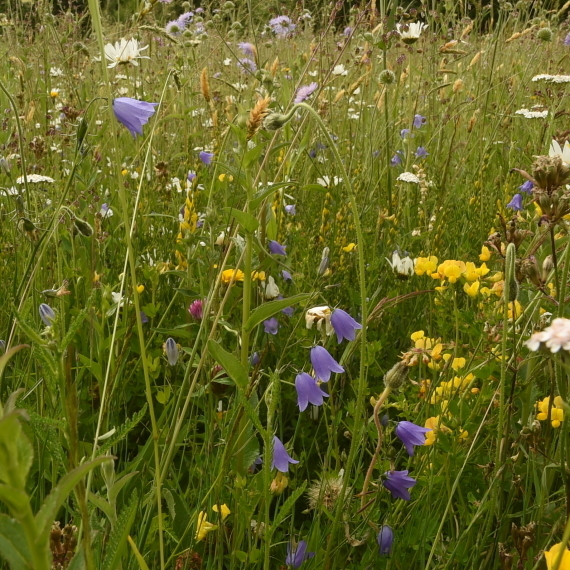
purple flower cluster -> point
(305, 92)
(282, 26)
(176, 27)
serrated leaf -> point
(248, 222)
(76, 324)
(252, 155)
(118, 538)
(122, 431)
(287, 506)
(13, 546)
(269, 309)
(119, 484)
(230, 364)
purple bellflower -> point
(171, 350)
(323, 363)
(144, 318)
(421, 152)
(344, 325)
(305, 92)
(206, 157)
(47, 314)
(296, 557)
(411, 434)
(191, 175)
(308, 391)
(526, 187)
(385, 540)
(516, 203)
(254, 359)
(404, 133)
(288, 311)
(286, 275)
(271, 326)
(419, 121)
(566, 40)
(281, 458)
(396, 159)
(290, 209)
(398, 483)
(276, 248)
(133, 114)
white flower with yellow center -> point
(124, 51)
(410, 33)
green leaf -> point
(8, 354)
(138, 556)
(122, 431)
(78, 561)
(118, 538)
(230, 363)
(48, 511)
(76, 323)
(287, 506)
(13, 546)
(269, 309)
(119, 484)
(252, 155)
(248, 222)
(316, 187)
(15, 499)
(16, 452)
(103, 506)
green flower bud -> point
(83, 227)
(396, 376)
(544, 34)
(387, 77)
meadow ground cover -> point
(285, 289)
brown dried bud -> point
(550, 172)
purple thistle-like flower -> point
(185, 19)
(516, 203)
(248, 49)
(296, 557)
(344, 325)
(308, 391)
(173, 28)
(282, 26)
(527, 187)
(247, 65)
(206, 157)
(411, 434)
(305, 92)
(419, 121)
(281, 458)
(396, 159)
(47, 314)
(276, 248)
(566, 40)
(385, 540)
(290, 209)
(398, 483)
(171, 350)
(196, 309)
(421, 152)
(271, 326)
(133, 114)
(323, 363)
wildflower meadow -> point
(284, 285)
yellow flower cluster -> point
(425, 348)
(203, 527)
(556, 411)
(447, 389)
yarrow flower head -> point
(408, 177)
(308, 391)
(282, 26)
(323, 363)
(124, 51)
(411, 434)
(133, 114)
(344, 325)
(385, 540)
(305, 92)
(296, 557)
(554, 337)
(398, 483)
(281, 458)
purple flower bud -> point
(196, 309)
(191, 175)
(398, 483)
(286, 275)
(133, 114)
(404, 133)
(288, 311)
(206, 157)
(47, 314)
(323, 363)
(276, 248)
(144, 318)
(419, 121)
(308, 391)
(411, 434)
(344, 325)
(271, 326)
(396, 159)
(516, 203)
(171, 350)
(254, 359)
(281, 458)
(296, 557)
(421, 152)
(290, 209)
(385, 540)
(526, 187)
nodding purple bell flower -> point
(206, 157)
(286, 275)
(276, 248)
(281, 458)
(133, 114)
(271, 326)
(313, 153)
(411, 434)
(308, 391)
(323, 363)
(527, 187)
(385, 540)
(344, 325)
(421, 152)
(254, 359)
(398, 483)
(288, 311)
(191, 175)
(47, 314)
(516, 203)
(297, 556)
(419, 121)
(566, 40)
(404, 133)
(253, 467)
(196, 309)
(290, 209)
(171, 351)
(396, 159)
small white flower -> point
(408, 177)
(402, 266)
(327, 182)
(319, 316)
(556, 150)
(413, 32)
(554, 337)
(271, 289)
(55, 72)
(313, 73)
(529, 114)
(416, 232)
(552, 78)
(220, 239)
(227, 61)
(117, 298)
(123, 90)
(339, 70)
(34, 179)
(124, 51)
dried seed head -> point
(205, 85)
(257, 116)
(325, 492)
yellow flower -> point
(485, 254)
(473, 289)
(498, 276)
(54, 93)
(458, 363)
(515, 310)
(470, 272)
(426, 265)
(225, 510)
(204, 527)
(279, 484)
(140, 288)
(417, 335)
(259, 275)
(552, 555)
(349, 248)
(556, 412)
(435, 425)
(229, 274)
(124, 172)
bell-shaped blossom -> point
(385, 540)
(398, 483)
(133, 114)
(286, 275)
(323, 363)
(296, 557)
(206, 157)
(411, 434)
(271, 326)
(171, 351)
(421, 152)
(516, 203)
(419, 121)
(527, 187)
(47, 314)
(290, 209)
(281, 458)
(308, 391)
(276, 248)
(344, 325)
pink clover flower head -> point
(308, 391)
(323, 363)
(411, 434)
(196, 309)
(305, 92)
(344, 325)
(281, 458)
(398, 483)
(133, 114)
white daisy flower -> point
(124, 51)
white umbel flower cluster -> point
(34, 179)
(530, 114)
(554, 337)
(552, 78)
(408, 177)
